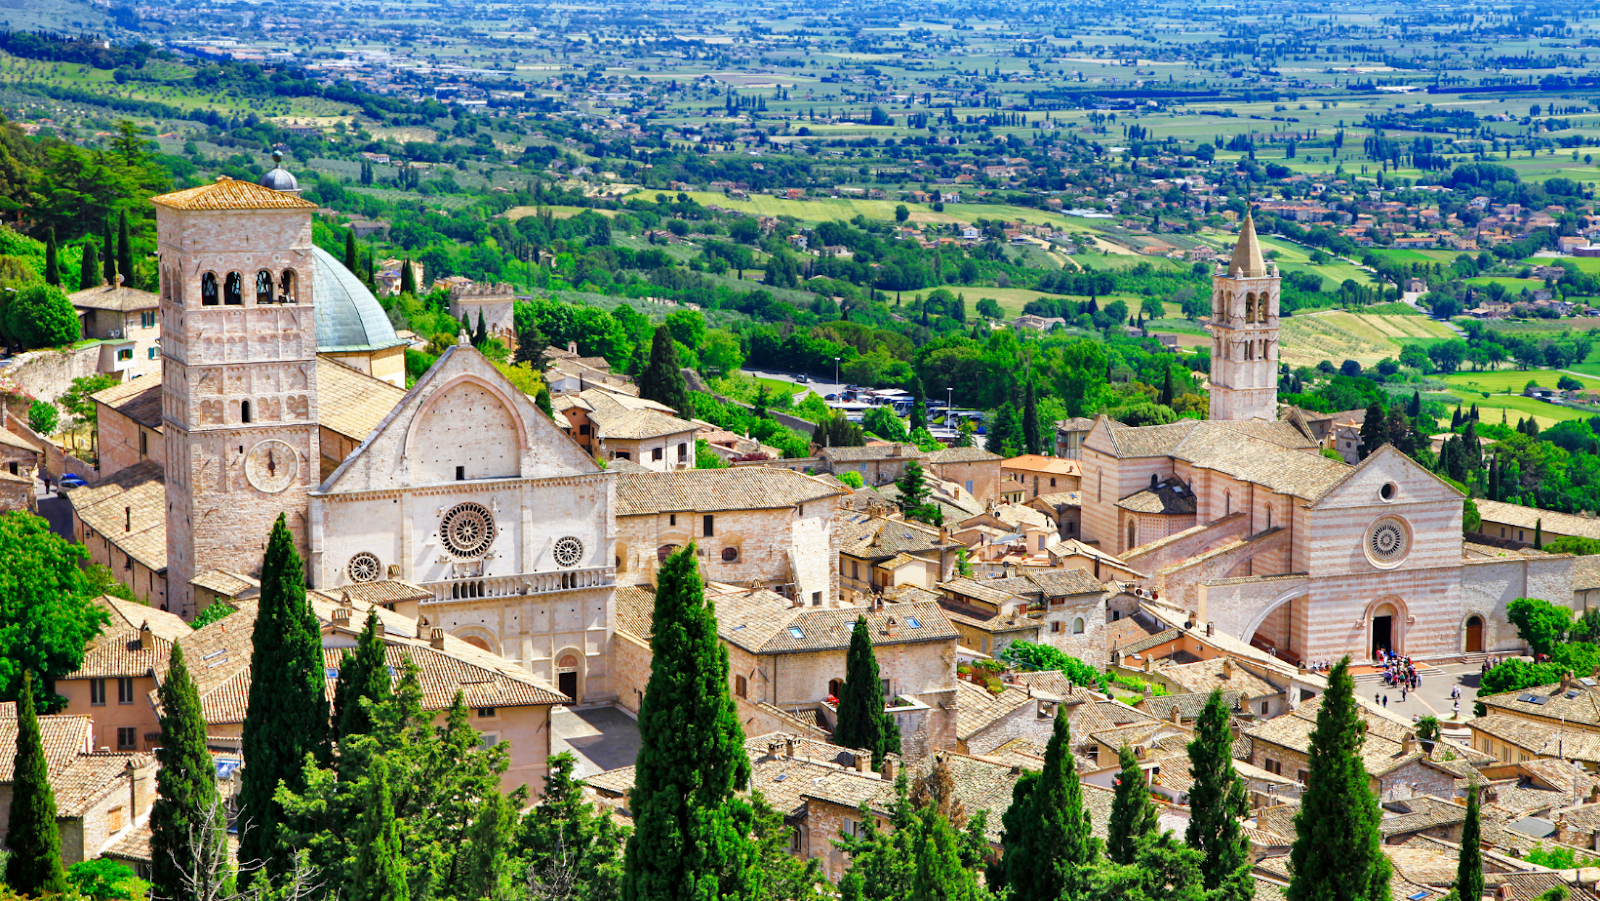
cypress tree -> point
(287, 714)
(1455, 419)
(52, 260)
(408, 279)
(481, 336)
(124, 251)
(919, 405)
(34, 864)
(109, 253)
(1133, 816)
(662, 379)
(863, 721)
(543, 402)
(1414, 409)
(1469, 863)
(466, 325)
(1031, 442)
(690, 838)
(1538, 534)
(1336, 854)
(188, 847)
(362, 674)
(1168, 392)
(1217, 802)
(352, 259)
(89, 274)
(1047, 839)
(1374, 430)
(380, 867)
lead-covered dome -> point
(279, 178)
(349, 318)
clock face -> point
(272, 465)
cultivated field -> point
(1338, 335)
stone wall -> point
(1156, 555)
(55, 461)
(47, 374)
(630, 670)
(1489, 585)
(981, 478)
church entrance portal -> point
(1474, 635)
(1382, 638)
(568, 684)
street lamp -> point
(949, 409)
(836, 370)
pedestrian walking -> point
(1386, 702)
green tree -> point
(1162, 869)
(1217, 804)
(1541, 624)
(1032, 443)
(782, 875)
(912, 495)
(720, 353)
(1005, 432)
(52, 259)
(352, 257)
(690, 839)
(125, 252)
(543, 401)
(919, 405)
(1133, 814)
(109, 255)
(188, 839)
(286, 718)
(1337, 852)
(42, 418)
(834, 430)
(901, 214)
(34, 865)
(47, 611)
(1374, 430)
(380, 868)
(89, 275)
(363, 682)
(480, 336)
(564, 839)
(863, 721)
(103, 879)
(662, 379)
(882, 422)
(1048, 843)
(408, 278)
(939, 873)
(42, 316)
(881, 863)
(1469, 863)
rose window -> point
(467, 530)
(1388, 541)
(568, 551)
(364, 567)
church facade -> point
(1239, 521)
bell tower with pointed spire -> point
(1244, 333)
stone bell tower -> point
(1244, 333)
(239, 375)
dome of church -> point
(280, 179)
(349, 318)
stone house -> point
(1031, 475)
(1070, 605)
(493, 303)
(121, 520)
(973, 468)
(507, 703)
(20, 460)
(101, 796)
(759, 526)
(988, 619)
(1255, 694)
(616, 426)
(1513, 739)
(128, 425)
(877, 464)
(877, 553)
(128, 321)
(115, 684)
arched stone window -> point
(244, 411)
(1249, 308)
(834, 688)
(1227, 502)
(264, 287)
(1077, 625)
(741, 686)
(233, 290)
(286, 287)
(208, 289)
(1133, 535)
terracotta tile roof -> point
(117, 298)
(877, 537)
(230, 194)
(1533, 885)
(1275, 455)
(128, 508)
(89, 777)
(133, 846)
(351, 402)
(1056, 466)
(122, 652)
(977, 709)
(1126, 632)
(383, 591)
(1577, 703)
(1188, 704)
(972, 588)
(635, 605)
(962, 455)
(1381, 753)
(1204, 675)
(130, 615)
(714, 490)
(762, 622)
(1170, 497)
(872, 452)
(1418, 813)
(1075, 424)
(1062, 583)
(138, 399)
(64, 738)
(225, 583)
(1540, 738)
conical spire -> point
(1247, 261)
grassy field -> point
(1514, 406)
(1337, 336)
(1500, 381)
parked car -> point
(70, 481)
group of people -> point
(1399, 672)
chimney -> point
(1210, 629)
(572, 348)
(437, 639)
(341, 616)
(1227, 667)
(127, 519)
(1566, 681)
(1150, 664)
(1408, 743)
(891, 627)
(773, 749)
(147, 638)
(887, 771)
(788, 747)
(423, 626)
(1177, 715)
(861, 761)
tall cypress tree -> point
(188, 846)
(362, 674)
(1048, 842)
(1168, 392)
(52, 259)
(919, 405)
(1336, 854)
(352, 259)
(1469, 863)
(863, 721)
(1133, 815)
(1217, 802)
(125, 251)
(287, 717)
(89, 273)
(34, 865)
(408, 279)
(1031, 442)
(662, 379)
(108, 252)
(690, 838)
(379, 873)
(481, 336)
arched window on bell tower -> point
(286, 287)
(244, 411)
(208, 289)
(1250, 308)
(263, 287)
(233, 290)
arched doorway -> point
(1385, 635)
(1474, 634)
(567, 676)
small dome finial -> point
(277, 157)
